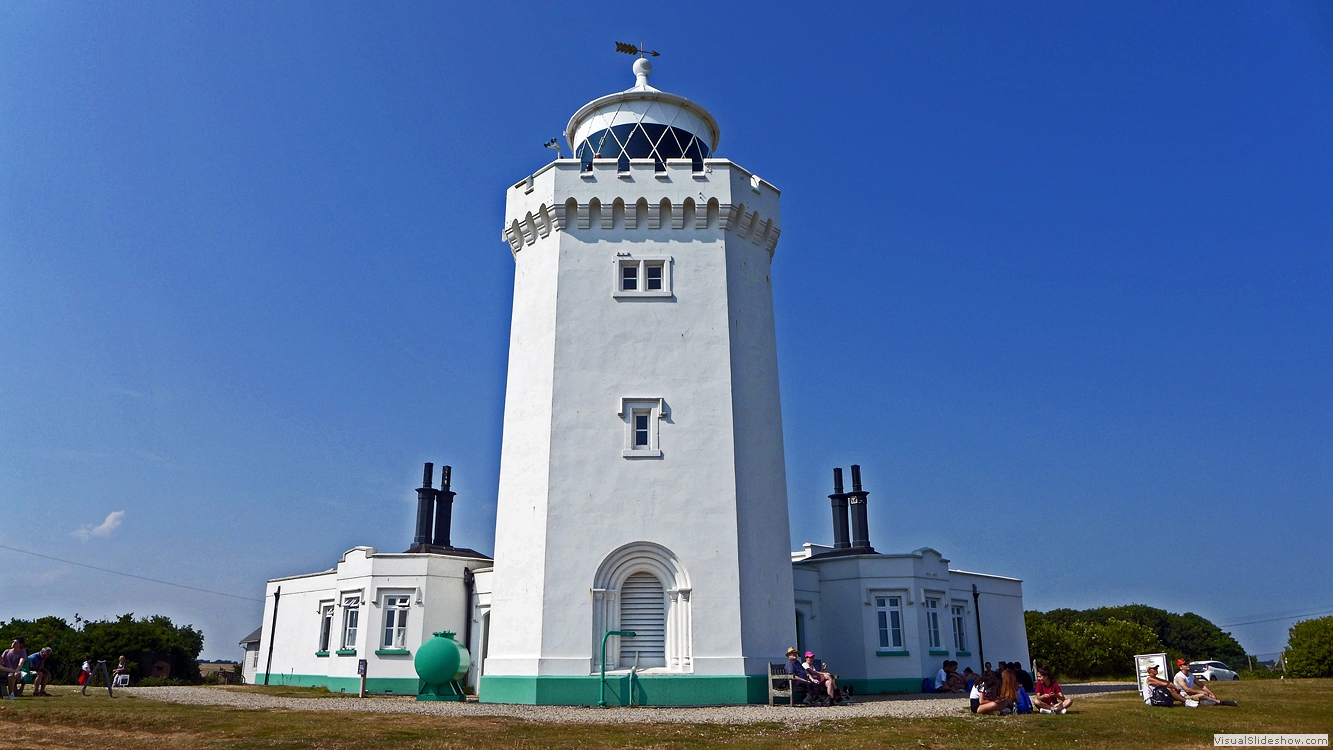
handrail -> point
(601, 700)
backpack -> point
(1160, 697)
(1022, 703)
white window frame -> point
(395, 609)
(958, 616)
(885, 611)
(641, 262)
(932, 606)
(325, 626)
(351, 626)
(655, 410)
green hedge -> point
(142, 642)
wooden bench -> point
(779, 684)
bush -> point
(143, 642)
(1310, 648)
(1089, 649)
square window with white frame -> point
(351, 621)
(642, 417)
(325, 626)
(958, 615)
(643, 277)
(889, 616)
(395, 622)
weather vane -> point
(630, 49)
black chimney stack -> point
(856, 500)
(444, 508)
(839, 499)
(425, 506)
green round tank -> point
(442, 659)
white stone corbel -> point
(654, 216)
(584, 216)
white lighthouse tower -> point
(642, 481)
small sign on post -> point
(361, 670)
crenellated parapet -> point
(641, 199)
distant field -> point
(69, 720)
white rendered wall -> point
(568, 497)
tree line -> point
(143, 642)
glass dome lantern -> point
(642, 123)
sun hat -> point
(792, 650)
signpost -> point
(361, 670)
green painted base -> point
(883, 687)
(377, 685)
(648, 690)
(450, 692)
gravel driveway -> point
(913, 706)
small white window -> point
(959, 628)
(933, 621)
(351, 619)
(643, 277)
(642, 417)
(889, 610)
(395, 622)
(325, 627)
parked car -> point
(1212, 670)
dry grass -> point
(69, 720)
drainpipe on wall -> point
(273, 626)
(468, 579)
(976, 609)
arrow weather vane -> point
(630, 49)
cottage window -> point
(959, 628)
(889, 611)
(351, 620)
(325, 627)
(933, 622)
(395, 622)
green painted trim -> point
(962, 653)
(891, 652)
(647, 690)
(346, 652)
(376, 685)
(883, 687)
(321, 653)
(937, 652)
(392, 652)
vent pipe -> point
(839, 500)
(444, 508)
(856, 501)
(425, 506)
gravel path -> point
(870, 707)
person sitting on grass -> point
(801, 681)
(41, 675)
(1184, 682)
(957, 683)
(1050, 699)
(1159, 692)
(942, 678)
(9, 664)
(998, 694)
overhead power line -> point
(130, 575)
(1276, 619)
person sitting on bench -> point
(801, 682)
(9, 664)
(818, 671)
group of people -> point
(1004, 690)
(16, 663)
(812, 679)
(1182, 689)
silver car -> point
(1212, 670)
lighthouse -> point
(642, 480)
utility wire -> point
(130, 575)
(1276, 619)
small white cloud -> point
(111, 523)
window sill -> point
(392, 652)
(346, 652)
(641, 454)
(699, 176)
(937, 652)
(588, 176)
(321, 653)
(663, 176)
(891, 652)
(962, 653)
(633, 295)
(626, 176)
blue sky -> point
(1058, 276)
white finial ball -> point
(642, 69)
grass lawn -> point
(1117, 721)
